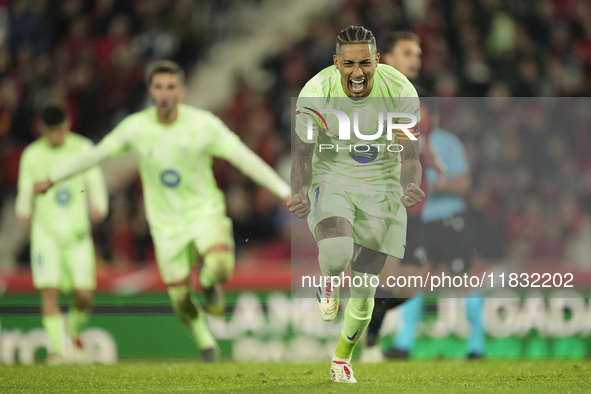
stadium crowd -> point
(532, 182)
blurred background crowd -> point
(531, 197)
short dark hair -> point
(166, 67)
(392, 38)
(355, 35)
(53, 116)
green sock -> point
(54, 326)
(191, 315)
(76, 320)
(357, 317)
(198, 327)
(200, 331)
(344, 349)
(217, 267)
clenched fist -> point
(298, 205)
(412, 196)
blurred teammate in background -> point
(174, 145)
(62, 252)
(436, 228)
(358, 214)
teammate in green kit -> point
(358, 199)
(173, 145)
(62, 253)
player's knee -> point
(83, 299)
(220, 264)
(50, 301)
(177, 295)
(50, 295)
(180, 298)
(334, 254)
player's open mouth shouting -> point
(357, 85)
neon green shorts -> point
(64, 267)
(176, 255)
(378, 218)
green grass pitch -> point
(391, 377)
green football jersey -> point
(175, 165)
(62, 212)
(358, 161)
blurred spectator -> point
(28, 26)
(184, 25)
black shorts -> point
(445, 243)
(415, 251)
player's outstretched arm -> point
(114, 143)
(410, 174)
(256, 169)
(82, 163)
(97, 193)
(301, 177)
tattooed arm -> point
(301, 177)
(410, 174)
